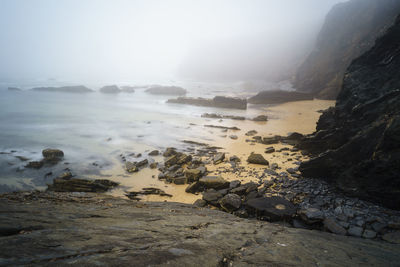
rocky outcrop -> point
(110, 89)
(217, 102)
(81, 185)
(350, 30)
(166, 90)
(278, 97)
(89, 229)
(357, 144)
(64, 89)
(14, 89)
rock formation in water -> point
(218, 102)
(65, 89)
(110, 89)
(350, 30)
(279, 96)
(14, 89)
(358, 141)
(166, 90)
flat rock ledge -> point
(85, 229)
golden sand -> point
(285, 118)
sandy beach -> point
(285, 118)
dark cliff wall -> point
(350, 29)
(357, 143)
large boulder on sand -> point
(230, 202)
(257, 159)
(215, 182)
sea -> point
(94, 129)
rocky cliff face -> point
(358, 141)
(350, 30)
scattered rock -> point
(200, 203)
(271, 208)
(332, 226)
(218, 158)
(154, 153)
(257, 159)
(215, 182)
(269, 150)
(193, 175)
(311, 215)
(34, 164)
(147, 191)
(355, 231)
(131, 167)
(230, 202)
(251, 133)
(261, 118)
(234, 137)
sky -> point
(127, 40)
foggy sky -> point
(122, 40)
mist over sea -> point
(94, 129)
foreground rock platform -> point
(84, 229)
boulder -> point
(230, 202)
(200, 203)
(215, 182)
(332, 226)
(193, 175)
(269, 150)
(170, 151)
(51, 154)
(212, 196)
(261, 118)
(193, 188)
(218, 158)
(34, 164)
(257, 159)
(131, 167)
(154, 153)
(271, 208)
(311, 215)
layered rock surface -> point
(84, 229)
(357, 144)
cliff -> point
(350, 29)
(357, 143)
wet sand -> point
(285, 118)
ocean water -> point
(93, 130)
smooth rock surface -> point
(89, 229)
